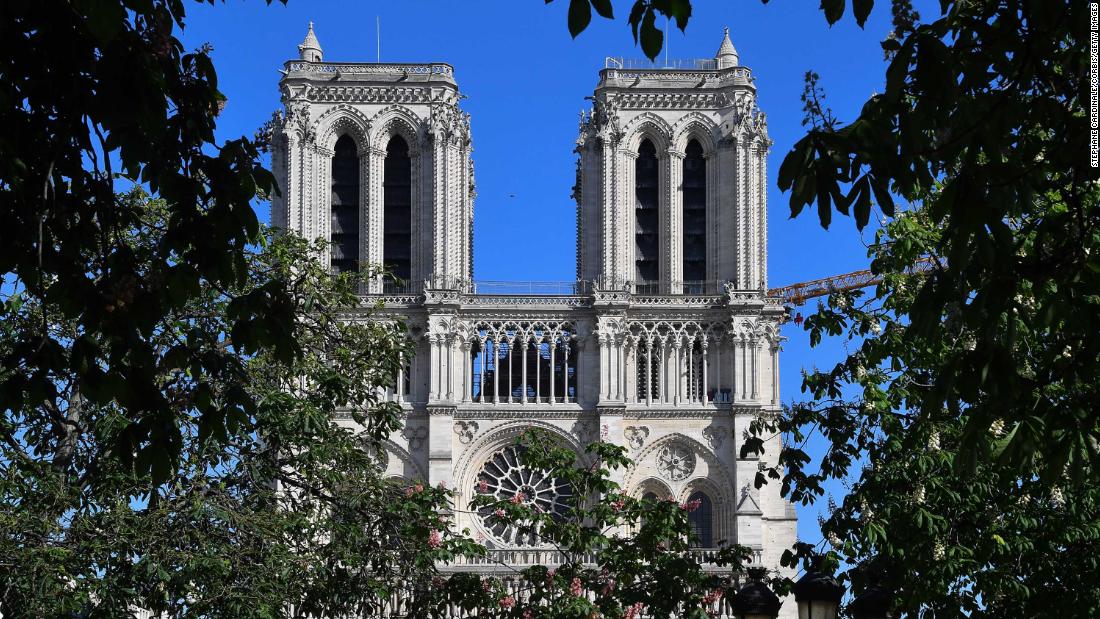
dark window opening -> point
(646, 217)
(397, 209)
(695, 215)
(345, 206)
(701, 520)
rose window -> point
(504, 476)
(675, 462)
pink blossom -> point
(485, 586)
(499, 513)
(527, 614)
(517, 498)
(408, 491)
(550, 573)
(442, 485)
(608, 586)
(691, 506)
(713, 596)
(507, 601)
(435, 538)
(575, 587)
(634, 611)
(483, 486)
(418, 488)
(618, 505)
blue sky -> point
(526, 80)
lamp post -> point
(755, 600)
(818, 594)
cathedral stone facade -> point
(666, 343)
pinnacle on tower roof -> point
(727, 55)
(310, 49)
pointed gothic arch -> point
(339, 121)
(695, 126)
(647, 126)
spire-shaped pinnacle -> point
(310, 49)
(727, 55)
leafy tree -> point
(264, 510)
(96, 93)
(964, 419)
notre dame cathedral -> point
(666, 343)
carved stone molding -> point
(692, 413)
(549, 412)
(715, 436)
(636, 436)
(466, 431)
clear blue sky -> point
(526, 80)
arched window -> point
(397, 209)
(345, 206)
(646, 218)
(702, 520)
(695, 218)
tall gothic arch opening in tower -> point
(694, 218)
(646, 219)
(344, 233)
(397, 209)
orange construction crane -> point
(797, 294)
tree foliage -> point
(262, 509)
(98, 93)
(964, 417)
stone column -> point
(677, 371)
(704, 371)
(715, 217)
(648, 371)
(496, 370)
(523, 365)
(624, 234)
(372, 221)
(466, 383)
(672, 247)
(433, 373)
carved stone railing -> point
(507, 559)
(371, 68)
(563, 294)
(699, 64)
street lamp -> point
(818, 594)
(872, 603)
(755, 600)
